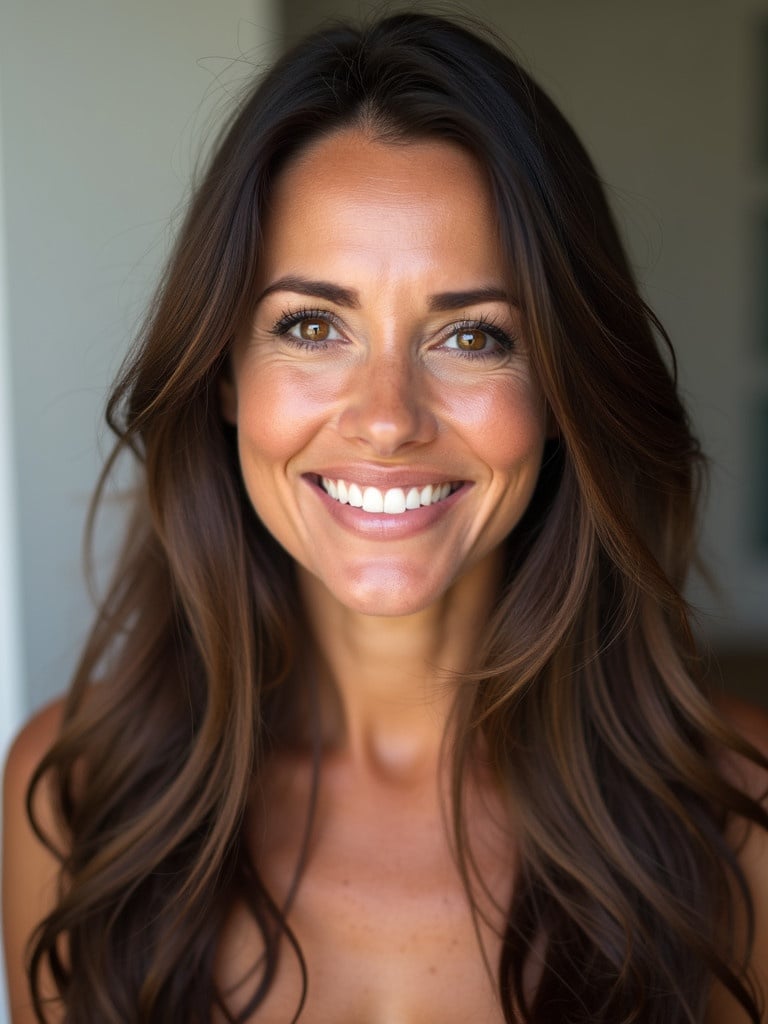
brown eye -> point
(471, 341)
(313, 329)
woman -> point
(393, 712)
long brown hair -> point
(586, 694)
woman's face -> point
(389, 430)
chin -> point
(388, 606)
(388, 594)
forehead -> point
(380, 201)
(405, 162)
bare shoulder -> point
(26, 752)
(750, 843)
(33, 740)
(751, 722)
(30, 871)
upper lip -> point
(386, 477)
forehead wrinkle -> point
(385, 228)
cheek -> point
(505, 422)
(278, 412)
(520, 444)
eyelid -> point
(290, 317)
(506, 337)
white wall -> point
(663, 94)
(11, 681)
(102, 106)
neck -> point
(391, 681)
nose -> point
(388, 406)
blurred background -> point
(105, 108)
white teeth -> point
(355, 496)
(373, 500)
(394, 501)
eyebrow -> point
(453, 300)
(349, 298)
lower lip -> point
(380, 525)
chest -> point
(387, 956)
(383, 923)
(372, 967)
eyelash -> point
(488, 326)
(290, 318)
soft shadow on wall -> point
(670, 100)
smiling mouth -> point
(393, 501)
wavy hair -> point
(586, 693)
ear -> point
(228, 396)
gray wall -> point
(664, 95)
(10, 641)
(103, 106)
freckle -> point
(433, 969)
(345, 881)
